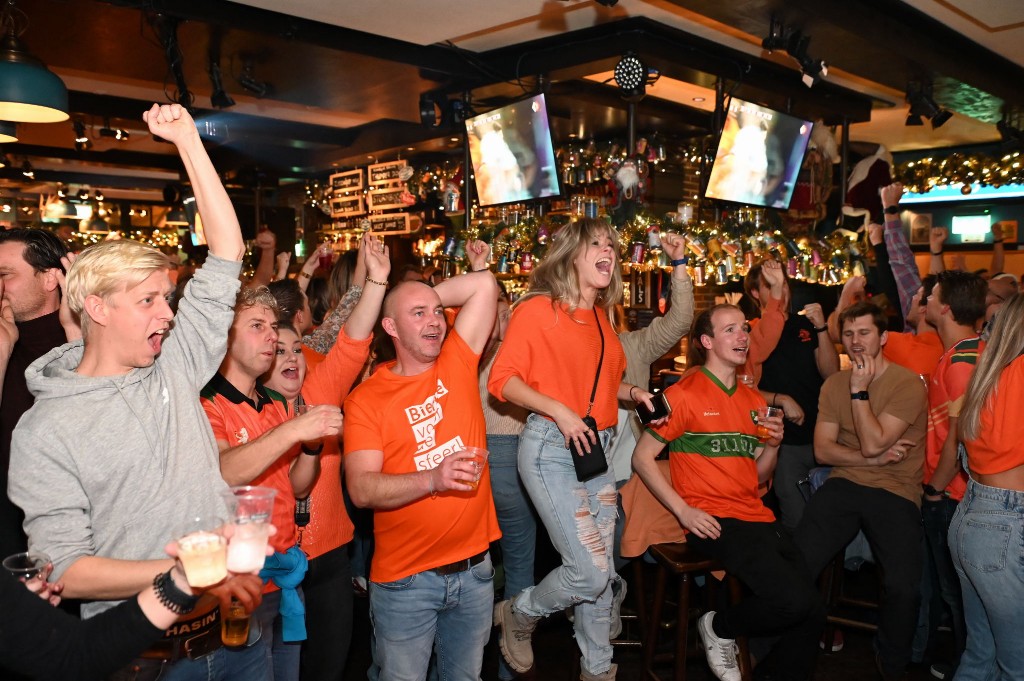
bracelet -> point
(631, 389)
(430, 484)
(312, 452)
(680, 261)
(774, 398)
(378, 283)
(819, 329)
(483, 270)
(934, 253)
(305, 275)
(173, 598)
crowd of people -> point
(130, 404)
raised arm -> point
(901, 258)
(936, 242)
(376, 260)
(266, 244)
(174, 124)
(477, 294)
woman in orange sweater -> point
(328, 583)
(987, 531)
(547, 365)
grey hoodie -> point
(112, 466)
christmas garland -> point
(963, 169)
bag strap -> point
(600, 361)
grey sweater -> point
(111, 466)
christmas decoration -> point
(961, 169)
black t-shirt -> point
(791, 369)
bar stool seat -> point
(684, 562)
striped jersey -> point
(712, 440)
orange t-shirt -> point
(416, 421)
(712, 442)
(237, 421)
(998, 446)
(917, 352)
(556, 354)
(329, 383)
(945, 396)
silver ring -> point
(860, 366)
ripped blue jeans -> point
(580, 520)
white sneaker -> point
(721, 652)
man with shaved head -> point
(406, 429)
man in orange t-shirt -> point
(717, 464)
(405, 429)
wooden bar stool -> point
(684, 562)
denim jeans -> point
(224, 664)
(986, 539)
(937, 516)
(284, 656)
(580, 520)
(517, 521)
(427, 612)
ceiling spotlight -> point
(119, 134)
(83, 194)
(919, 96)
(794, 43)
(27, 170)
(811, 70)
(633, 76)
(98, 195)
(82, 141)
(913, 120)
(62, 191)
(248, 81)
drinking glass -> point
(234, 625)
(763, 434)
(250, 509)
(301, 409)
(27, 565)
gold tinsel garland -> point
(963, 169)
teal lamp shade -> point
(8, 132)
(29, 92)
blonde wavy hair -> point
(1004, 345)
(556, 276)
(107, 268)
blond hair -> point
(107, 268)
(556, 275)
(1004, 346)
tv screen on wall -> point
(512, 153)
(759, 156)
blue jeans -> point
(425, 612)
(224, 664)
(284, 656)
(580, 520)
(986, 539)
(516, 518)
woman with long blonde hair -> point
(987, 532)
(559, 335)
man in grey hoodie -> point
(117, 451)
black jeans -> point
(328, 591)
(937, 516)
(892, 525)
(785, 601)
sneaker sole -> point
(499, 621)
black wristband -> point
(819, 329)
(934, 253)
(312, 452)
(173, 598)
(892, 210)
(677, 263)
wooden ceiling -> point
(344, 79)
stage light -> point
(248, 81)
(219, 97)
(919, 96)
(631, 77)
(27, 171)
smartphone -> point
(661, 409)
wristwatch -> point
(932, 492)
(892, 210)
(862, 395)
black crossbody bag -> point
(593, 463)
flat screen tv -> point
(759, 156)
(512, 152)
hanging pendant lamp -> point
(29, 92)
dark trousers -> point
(937, 516)
(785, 601)
(328, 591)
(892, 525)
